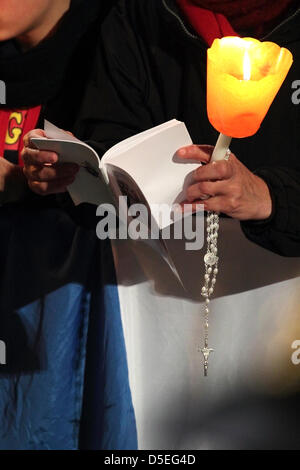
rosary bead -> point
(209, 270)
(216, 271)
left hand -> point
(233, 189)
(44, 173)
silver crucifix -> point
(206, 352)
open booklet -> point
(143, 168)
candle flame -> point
(247, 66)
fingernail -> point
(181, 152)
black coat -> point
(151, 67)
(55, 74)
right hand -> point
(43, 172)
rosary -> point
(211, 270)
(211, 262)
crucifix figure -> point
(206, 352)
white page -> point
(136, 139)
(150, 162)
(54, 132)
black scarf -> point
(34, 77)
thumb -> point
(35, 134)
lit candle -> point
(243, 78)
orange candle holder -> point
(243, 77)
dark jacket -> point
(151, 67)
(65, 383)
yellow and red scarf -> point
(14, 125)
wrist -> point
(264, 206)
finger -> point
(212, 204)
(204, 189)
(196, 206)
(50, 173)
(216, 204)
(215, 171)
(36, 133)
(38, 157)
(200, 153)
(54, 187)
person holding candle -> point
(151, 67)
(140, 86)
